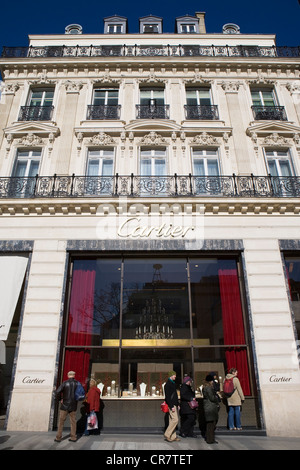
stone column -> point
(67, 127)
(231, 90)
(7, 99)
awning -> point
(12, 273)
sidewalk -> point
(114, 444)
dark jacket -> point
(171, 396)
(67, 391)
(210, 404)
(186, 395)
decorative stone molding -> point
(101, 139)
(10, 88)
(153, 139)
(293, 87)
(42, 80)
(73, 87)
(206, 140)
(198, 79)
(231, 87)
(31, 140)
(261, 80)
(275, 140)
(152, 78)
(108, 79)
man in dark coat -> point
(211, 409)
(68, 406)
(187, 414)
(171, 398)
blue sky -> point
(280, 17)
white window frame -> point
(114, 27)
(260, 91)
(153, 157)
(276, 157)
(44, 91)
(188, 26)
(106, 98)
(206, 157)
(198, 97)
(29, 159)
(100, 156)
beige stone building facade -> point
(149, 220)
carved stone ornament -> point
(42, 80)
(106, 78)
(30, 140)
(101, 139)
(73, 87)
(261, 80)
(152, 78)
(205, 139)
(197, 79)
(293, 87)
(230, 87)
(153, 139)
(10, 88)
(275, 140)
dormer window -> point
(151, 24)
(187, 25)
(115, 25)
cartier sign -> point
(134, 228)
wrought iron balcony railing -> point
(35, 113)
(152, 111)
(149, 186)
(268, 113)
(209, 112)
(150, 51)
(95, 112)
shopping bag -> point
(92, 421)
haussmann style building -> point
(149, 220)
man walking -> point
(68, 406)
(171, 398)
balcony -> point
(152, 111)
(269, 113)
(149, 186)
(103, 112)
(195, 112)
(150, 51)
(35, 113)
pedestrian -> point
(211, 409)
(172, 401)
(92, 403)
(187, 414)
(234, 402)
(66, 392)
(216, 383)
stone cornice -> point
(89, 207)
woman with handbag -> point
(211, 409)
(188, 407)
(92, 404)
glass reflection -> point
(155, 299)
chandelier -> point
(153, 321)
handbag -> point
(193, 404)
(92, 421)
(164, 407)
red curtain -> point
(233, 325)
(80, 324)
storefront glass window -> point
(293, 273)
(133, 319)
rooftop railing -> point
(149, 186)
(150, 51)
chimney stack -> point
(201, 17)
